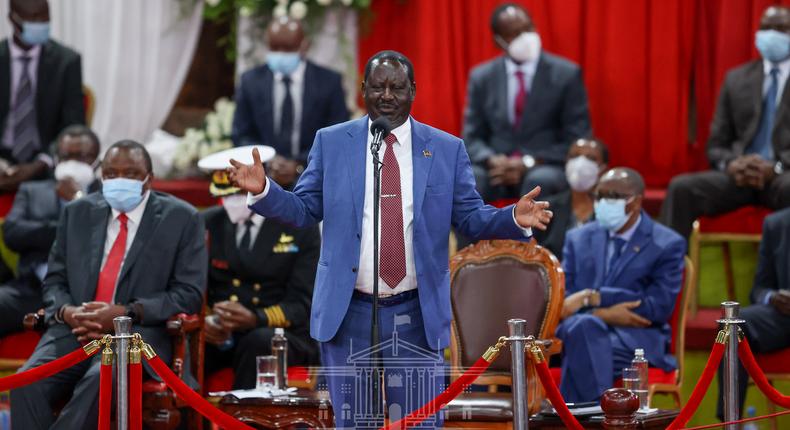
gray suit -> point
(733, 128)
(555, 115)
(164, 271)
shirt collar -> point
(626, 235)
(784, 67)
(297, 76)
(136, 214)
(256, 219)
(527, 67)
(402, 132)
(17, 52)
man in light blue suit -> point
(433, 170)
(622, 275)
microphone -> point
(380, 128)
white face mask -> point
(525, 47)
(582, 173)
(236, 208)
(81, 173)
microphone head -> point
(381, 125)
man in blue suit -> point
(284, 102)
(433, 170)
(622, 275)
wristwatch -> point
(131, 312)
(778, 168)
(529, 161)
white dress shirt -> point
(114, 227)
(278, 96)
(784, 71)
(528, 68)
(257, 222)
(16, 75)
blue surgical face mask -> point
(35, 33)
(123, 194)
(283, 62)
(773, 45)
(610, 213)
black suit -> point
(563, 220)
(323, 104)
(275, 278)
(734, 127)
(59, 97)
(163, 271)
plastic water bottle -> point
(751, 412)
(280, 350)
(640, 363)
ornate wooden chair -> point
(491, 282)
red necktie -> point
(109, 273)
(521, 99)
(392, 265)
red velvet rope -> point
(745, 420)
(553, 393)
(45, 370)
(700, 389)
(747, 358)
(105, 396)
(135, 396)
(193, 399)
(430, 408)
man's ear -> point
(413, 91)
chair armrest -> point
(182, 324)
(34, 321)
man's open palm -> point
(531, 213)
(250, 178)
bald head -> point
(285, 35)
(776, 18)
(622, 181)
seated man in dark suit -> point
(622, 275)
(586, 161)
(261, 277)
(518, 134)
(30, 227)
(749, 143)
(124, 251)
(40, 94)
(284, 102)
(767, 323)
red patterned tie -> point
(521, 98)
(109, 273)
(392, 265)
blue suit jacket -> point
(650, 269)
(332, 189)
(323, 104)
(771, 272)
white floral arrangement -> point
(213, 136)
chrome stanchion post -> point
(730, 313)
(123, 327)
(517, 329)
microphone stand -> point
(376, 397)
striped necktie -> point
(26, 138)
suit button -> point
(358, 236)
(256, 287)
(255, 301)
(234, 298)
(354, 269)
(236, 282)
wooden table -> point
(658, 420)
(307, 408)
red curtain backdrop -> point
(652, 67)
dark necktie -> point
(287, 119)
(108, 276)
(26, 139)
(521, 99)
(619, 244)
(244, 245)
(761, 145)
(392, 265)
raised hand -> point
(250, 178)
(533, 214)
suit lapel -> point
(309, 91)
(229, 244)
(267, 237)
(598, 248)
(356, 154)
(637, 244)
(501, 94)
(151, 218)
(755, 88)
(5, 78)
(422, 159)
(46, 63)
(539, 82)
(99, 216)
(267, 108)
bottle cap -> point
(639, 351)
(280, 331)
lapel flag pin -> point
(636, 249)
(426, 153)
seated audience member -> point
(124, 251)
(623, 273)
(41, 96)
(587, 159)
(518, 134)
(261, 276)
(767, 325)
(749, 144)
(30, 227)
(285, 101)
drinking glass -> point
(631, 379)
(267, 371)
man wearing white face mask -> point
(586, 161)
(261, 276)
(749, 143)
(285, 101)
(622, 275)
(523, 110)
(32, 65)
